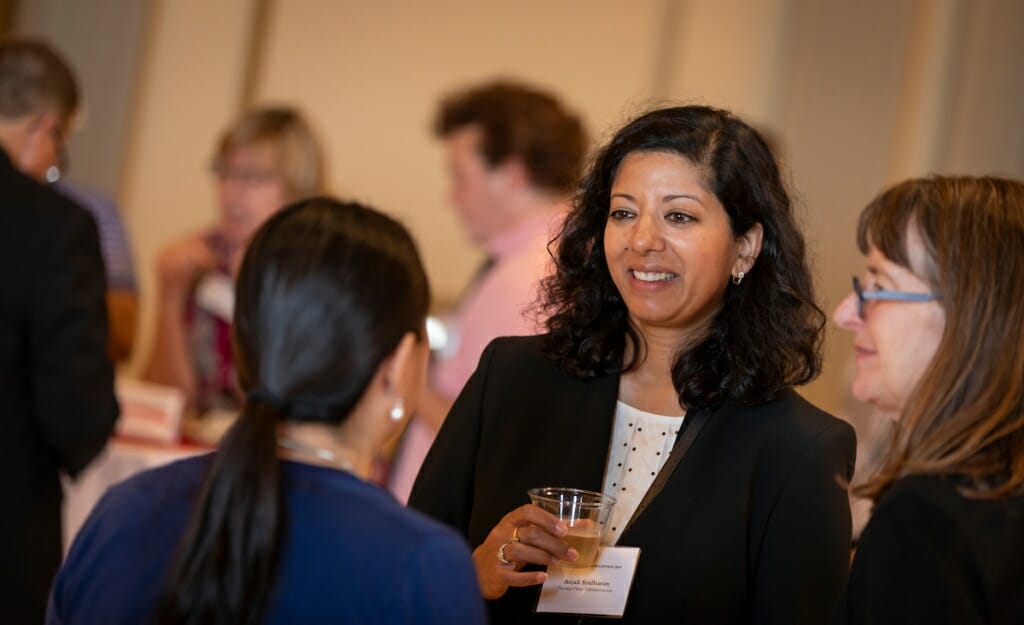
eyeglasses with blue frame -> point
(888, 296)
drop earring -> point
(738, 278)
(398, 410)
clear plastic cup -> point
(585, 513)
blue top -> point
(351, 554)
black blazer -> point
(57, 404)
(931, 555)
(753, 525)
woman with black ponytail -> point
(279, 525)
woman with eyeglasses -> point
(267, 158)
(280, 525)
(938, 324)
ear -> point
(748, 248)
(402, 372)
(43, 125)
(513, 173)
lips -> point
(862, 352)
(652, 276)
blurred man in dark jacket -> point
(57, 405)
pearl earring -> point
(398, 410)
(738, 278)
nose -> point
(229, 188)
(845, 315)
(645, 236)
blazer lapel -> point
(589, 433)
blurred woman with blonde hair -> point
(267, 158)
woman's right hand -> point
(181, 262)
(527, 535)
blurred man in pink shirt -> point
(514, 157)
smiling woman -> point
(682, 315)
(762, 332)
(669, 244)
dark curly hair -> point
(767, 333)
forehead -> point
(464, 143)
(912, 256)
(660, 167)
(263, 153)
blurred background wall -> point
(856, 95)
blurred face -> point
(668, 243)
(477, 189)
(250, 188)
(896, 340)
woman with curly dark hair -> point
(682, 313)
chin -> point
(232, 235)
(877, 400)
(864, 391)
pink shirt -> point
(498, 305)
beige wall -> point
(102, 41)
(190, 87)
(726, 53)
(842, 81)
(858, 95)
(986, 125)
(370, 75)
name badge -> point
(601, 590)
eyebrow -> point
(667, 198)
(682, 196)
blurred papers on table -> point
(149, 411)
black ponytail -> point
(224, 571)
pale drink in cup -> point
(585, 513)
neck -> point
(648, 386)
(659, 349)
(523, 216)
(532, 202)
(322, 444)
